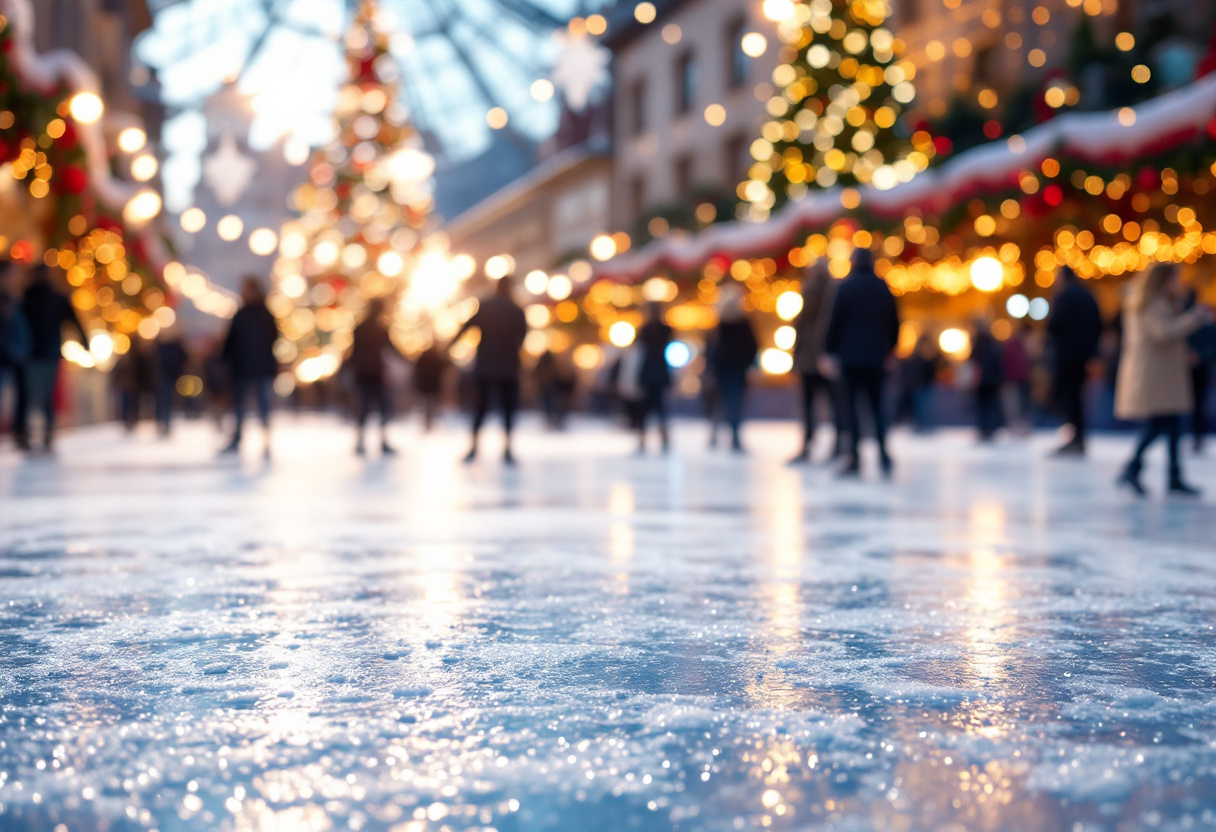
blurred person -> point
(654, 374)
(917, 378)
(1075, 328)
(554, 385)
(249, 353)
(503, 327)
(135, 380)
(986, 359)
(733, 354)
(1202, 350)
(429, 369)
(171, 358)
(16, 345)
(811, 325)
(1015, 367)
(1153, 381)
(369, 344)
(48, 310)
(862, 333)
(711, 397)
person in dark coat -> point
(1202, 349)
(1015, 367)
(171, 360)
(986, 359)
(1075, 328)
(917, 380)
(654, 374)
(503, 328)
(16, 344)
(48, 310)
(428, 382)
(811, 325)
(862, 333)
(135, 380)
(734, 352)
(366, 362)
(249, 353)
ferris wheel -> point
(468, 67)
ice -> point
(594, 641)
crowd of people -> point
(1158, 352)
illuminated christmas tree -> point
(841, 88)
(367, 198)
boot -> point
(1179, 488)
(851, 469)
(888, 466)
(665, 438)
(471, 456)
(1130, 478)
(233, 446)
(387, 449)
(359, 449)
(507, 458)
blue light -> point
(1017, 306)
(678, 354)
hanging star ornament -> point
(581, 68)
(228, 172)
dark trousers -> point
(1069, 396)
(14, 373)
(373, 395)
(506, 390)
(1201, 375)
(1171, 428)
(165, 390)
(988, 409)
(813, 383)
(654, 401)
(41, 376)
(241, 387)
(864, 383)
(732, 387)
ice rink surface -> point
(592, 641)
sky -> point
(458, 58)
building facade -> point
(687, 104)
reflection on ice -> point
(598, 642)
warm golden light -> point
(86, 107)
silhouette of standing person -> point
(16, 344)
(818, 294)
(654, 375)
(48, 310)
(366, 360)
(862, 333)
(733, 353)
(428, 382)
(1075, 328)
(1154, 381)
(249, 353)
(503, 327)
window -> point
(683, 170)
(738, 159)
(740, 65)
(686, 83)
(637, 196)
(637, 106)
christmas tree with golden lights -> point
(840, 90)
(367, 199)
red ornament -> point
(73, 179)
(1148, 179)
(943, 146)
(992, 129)
(68, 140)
(1053, 195)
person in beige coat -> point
(1154, 375)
